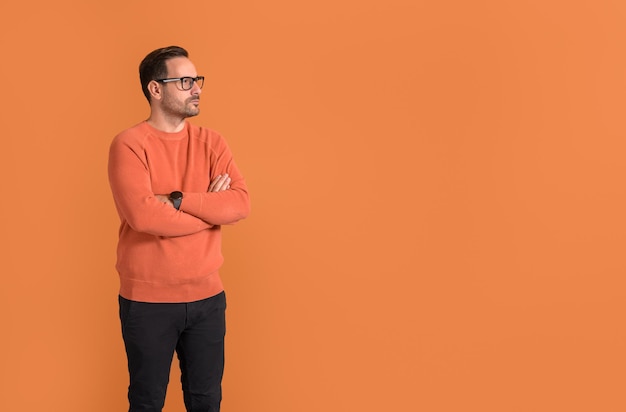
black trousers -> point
(152, 332)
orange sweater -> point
(164, 254)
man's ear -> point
(155, 90)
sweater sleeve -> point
(129, 178)
(227, 206)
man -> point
(174, 185)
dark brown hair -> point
(153, 66)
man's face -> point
(178, 102)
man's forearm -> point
(159, 219)
(217, 208)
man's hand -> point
(220, 183)
(165, 199)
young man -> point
(174, 185)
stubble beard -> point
(192, 109)
(184, 109)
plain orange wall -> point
(438, 200)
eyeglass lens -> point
(187, 82)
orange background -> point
(437, 189)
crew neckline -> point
(167, 135)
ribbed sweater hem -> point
(175, 292)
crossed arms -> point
(225, 201)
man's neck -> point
(166, 124)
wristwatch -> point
(176, 198)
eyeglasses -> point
(186, 83)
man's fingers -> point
(219, 183)
(214, 182)
(223, 184)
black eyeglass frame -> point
(194, 80)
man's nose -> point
(195, 89)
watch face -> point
(176, 195)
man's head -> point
(170, 82)
(154, 67)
